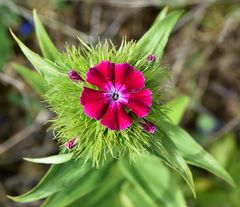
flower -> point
(71, 143)
(26, 28)
(149, 127)
(151, 58)
(73, 75)
(120, 91)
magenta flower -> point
(120, 91)
(149, 127)
(71, 143)
(73, 75)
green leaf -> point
(175, 108)
(81, 188)
(206, 123)
(44, 67)
(55, 159)
(224, 148)
(101, 187)
(134, 197)
(130, 196)
(161, 16)
(37, 82)
(101, 196)
(192, 152)
(163, 147)
(47, 47)
(155, 40)
(57, 178)
(153, 183)
(104, 193)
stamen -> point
(115, 96)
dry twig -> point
(4, 78)
(41, 118)
(230, 126)
(133, 3)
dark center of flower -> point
(115, 96)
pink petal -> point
(140, 102)
(101, 75)
(128, 78)
(116, 117)
(94, 102)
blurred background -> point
(202, 56)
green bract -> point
(94, 141)
(109, 150)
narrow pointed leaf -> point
(103, 194)
(81, 188)
(44, 67)
(163, 147)
(38, 83)
(175, 108)
(162, 15)
(132, 197)
(193, 152)
(57, 178)
(155, 40)
(153, 181)
(55, 159)
(47, 47)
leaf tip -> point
(13, 198)
(27, 159)
(35, 15)
(34, 11)
(15, 37)
(230, 181)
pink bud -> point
(73, 75)
(71, 143)
(149, 127)
(151, 58)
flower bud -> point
(26, 28)
(73, 75)
(71, 143)
(151, 58)
(149, 127)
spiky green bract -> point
(94, 141)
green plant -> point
(97, 169)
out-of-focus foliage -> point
(175, 108)
(212, 193)
(7, 19)
(32, 77)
